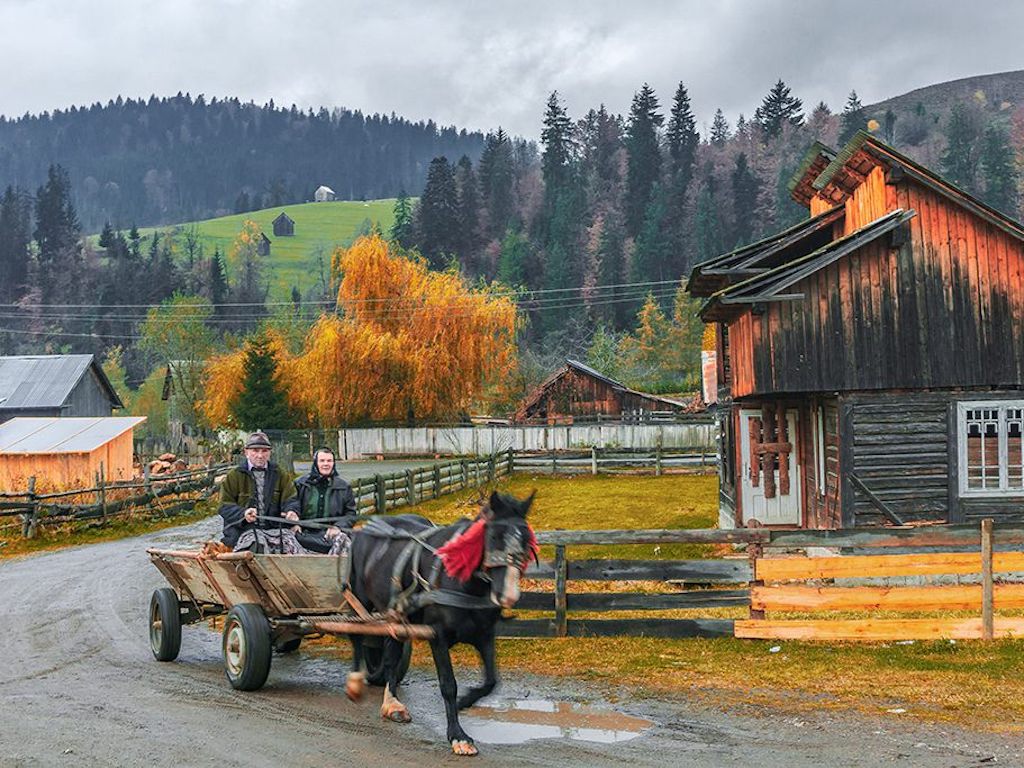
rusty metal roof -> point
(53, 434)
(46, 381)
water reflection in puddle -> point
(520, 721)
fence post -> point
(511, 460)
(147, 483)
(491, 469)
(554, 462)
(465, 473)
(437, 480)
(381, 499)
(657, 460)
(593, 459)
(561, 601)
(410, 486)
(755, 551)
(101, 493)
(28, 521)
(987, 617)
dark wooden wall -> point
(88, 398)
(946, 309)
(821, 510)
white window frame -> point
(1003, 491)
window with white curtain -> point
(989, 443)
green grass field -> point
(318, 226)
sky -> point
(479, 65)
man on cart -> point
(255, 489)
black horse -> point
(454, 579)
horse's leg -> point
(485, 647)
(355, 686)
(461, 743)
(392, 709)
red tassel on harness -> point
(463, 554)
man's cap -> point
(258, 440)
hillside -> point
(1000, 90)
(319, 228)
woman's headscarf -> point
(314, 471)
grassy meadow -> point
(318, 227)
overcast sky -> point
(483, 64)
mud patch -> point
(521, 721)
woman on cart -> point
(322, 496)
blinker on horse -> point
(454, 579)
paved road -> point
(78, 687)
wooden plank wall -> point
(821, 510)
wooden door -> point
(774, 500)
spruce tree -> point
(719, 133)
(682, 139)
(653, 243)
(644, 156)
(261, 403)
(559, 150)
(15, 238)
(402, 232)
(998, 170)
(777, 108)
(514, 258)
(852, 118)
(218, 287)
(437, 215)
(107, 238)
(959, 161)
(497, 178)
(745, 188)
(57, 237)
(469, 216)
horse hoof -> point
(355, 686)
(464, 747)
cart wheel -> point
(289, 646)
(246, 646)
(373, 657)
(164, 624)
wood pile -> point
(166, 464)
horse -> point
(456, 580)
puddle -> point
(522, 721)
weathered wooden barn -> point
(263, 245)
(577, 391)
(871, 358)
(66, 452)
(284, 225)
(55, 385)
(324, 194)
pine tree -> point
(134, 240)
(707, 225)
(559, 150)
(437, 215)
(402, 232)
(719, 129)
(745, 188)
(682, 139)
(107, 238)
(218, 287)
(497, 177)
(778, 108)
(998, 169)
(644, 160)
(653, 243)
(261, 403)
(514, 258)
(852, 118)
(15, 238)
(469, 215)
(959, 161)
(56, 235)
(612, 271)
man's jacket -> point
(238, 493)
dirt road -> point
(78, 687)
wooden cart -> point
(271, 602)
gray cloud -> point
(477, 66)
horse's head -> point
(510, 544)
(499, 544)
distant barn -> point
(55, 385)
(577, 391)
(263, 245)
(324, 194)
(284, 225)
(66, 453)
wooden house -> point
(54, 385)
(263, 245)
(871, 358)
(66, 452)
(323, 194)
(577, 391)
(284, 225)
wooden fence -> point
(611, 461)
(105, 500)
(747, 580)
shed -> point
(284, 225)
(578, 391)
(55, 385)
(66, 452)
(263, 245)
(323, 194)
(871, 358)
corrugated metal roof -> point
(62, 435)
(44, 381)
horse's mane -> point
(464, 553)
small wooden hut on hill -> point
(577, 391)
(284, 225)
(66, 452)
(871, 358)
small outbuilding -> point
(284, 225)
(577, 391)
(54, 385)
(263, 245)
(324, 194)
(66, 452)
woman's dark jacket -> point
(238, 493)
(318, 497)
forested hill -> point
(167, 160)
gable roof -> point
(46, 381)
(63, 434)
(757, 258)
(771, 285)
(282, 216)
(814, 161)
(324, 188)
